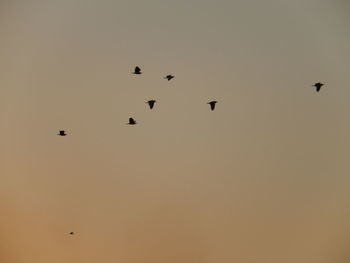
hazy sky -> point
(263, 178)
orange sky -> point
(263, 178)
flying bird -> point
(131, 121)
(71, 233)
(212, 104)
(169, 77)
(62, 133)
(137, 70)
(318, 86)
(151, 103)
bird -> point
(137, 70)
(151, 103)
(212, 104)
(62, 133)
(131, 121)
(169, 77)
(318, 86)
(71, 233)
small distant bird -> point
(318, 86)
(137, 70)
(151, 103)
(131, 121)
(212, 104)
(71, 233)
(169, 77)
(62, 133)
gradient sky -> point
(263, 178)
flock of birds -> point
(137, 71)
(151, 103)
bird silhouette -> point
(71, 233)
(151, 103)
(62, 133)
(212, 104)
(318, 86)
(169, 77)
(137, 70)
(131, 121)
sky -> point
(263, 178)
